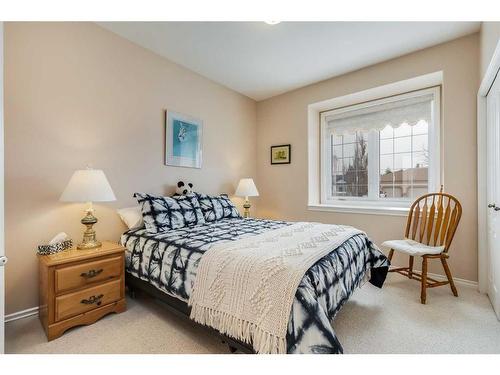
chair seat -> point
(412, 247)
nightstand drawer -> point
(72, 277)
(88, 299)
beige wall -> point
(283, 119)
(490, 35)
(78, 94)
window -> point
(383, 152)
(349, 164)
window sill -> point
(359, 209)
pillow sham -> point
(217, 207)
(131, 216)
(228, 207)
(190, 208)
(163, 213)
(211, 207)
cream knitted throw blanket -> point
(245, 288)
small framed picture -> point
(183, 140)
(281, 154)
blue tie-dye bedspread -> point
(169, 262)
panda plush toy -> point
(183, 189)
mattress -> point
(169, 261)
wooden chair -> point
(430, 227)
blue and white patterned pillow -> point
(163, 213)
(211, 207)
(228, 207)
(217, 207)
(190, 208)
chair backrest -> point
(433, 219)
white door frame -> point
(482, 240)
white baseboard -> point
(21, 314)
(455, 279)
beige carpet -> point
(389, 320)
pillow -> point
(211, 207)
(163, 213)
(217, 207)
(190, 208)
(228, 206)
(131, 216)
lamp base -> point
(89, 238)
(246, 206)
(88, 245)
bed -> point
(165, 266)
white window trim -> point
(361, 209)
(316, 113)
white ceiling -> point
(260, 60)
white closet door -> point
(493, 193)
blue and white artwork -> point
(183, 140)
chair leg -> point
(448, 275)
(391, 253)
(424, 281)
(410, 268)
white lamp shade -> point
(88, 185)
(246, 188)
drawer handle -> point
(91, 273)
(92, 300)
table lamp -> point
(246, 188)
(88, 185)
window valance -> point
(377, 116)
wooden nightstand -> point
(78, 287)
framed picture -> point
(281, 154)
(183, 140)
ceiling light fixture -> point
(272, 22)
